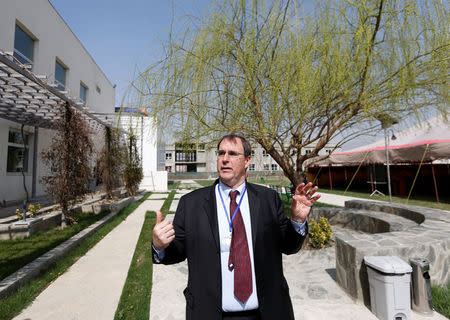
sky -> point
(124, 37)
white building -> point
(38, 37)
(150, 149)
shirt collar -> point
(226, 189)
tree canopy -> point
(288, 76)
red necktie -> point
(239, 258)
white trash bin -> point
(389, 281)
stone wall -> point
(412, 232)
(13, 229)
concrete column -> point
(35, 152)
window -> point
(168, 155)
(189, 156)
(274, 167)
(253, 153)
(266, 167)
(328, 151)
(97, 88)
(23, 46)
(17, 154)
(307, 151)
(181, 168)
(169, 168)
(265, 154)
(201, 147)
(83, 93)
(251, 167)
(60, 75)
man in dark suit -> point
(233, 234)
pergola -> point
(25, 97)
(28, 99)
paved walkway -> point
(337, 200)
(91, 288)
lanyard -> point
(230, 222)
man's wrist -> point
(298, 220)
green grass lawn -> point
(205, 183)
(135, 299)
(174, 185)
(423, 201)
(14, 254)
(278, 180)
(441, 299)
(19, 300)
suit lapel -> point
(209, 206)
(254, 211)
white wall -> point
(54, 39)
(146, 133)
(11, 183)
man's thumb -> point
(159, 217)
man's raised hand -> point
(302, 201)
(163, 232)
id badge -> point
(226, 242)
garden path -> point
(91, 288)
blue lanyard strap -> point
(230, 222)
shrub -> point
(19, 214)
(33, 209)
(319, 233)
(132, 173)
(68, 158)
(112, 160)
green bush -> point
(132, 173)
(319, 233)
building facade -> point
(38, 38)
(182, 158)
(190, 157)
(151, 149)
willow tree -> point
(288, 79)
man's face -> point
(231, 162)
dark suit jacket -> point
(197, 239)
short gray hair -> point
(245, 143)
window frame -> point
(86, 89)
(61, 85)
(19, 55)
(25, 157)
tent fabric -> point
(427, 142)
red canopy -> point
(427, 142)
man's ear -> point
(247, 162)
